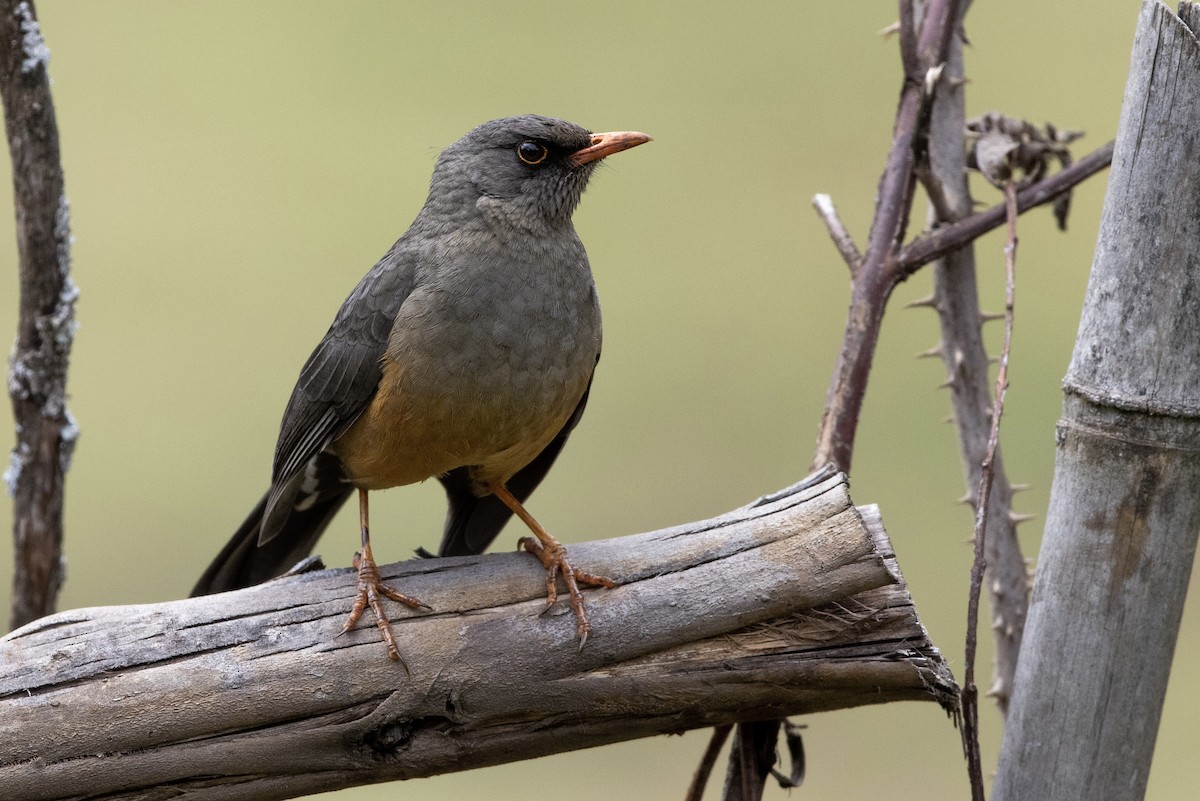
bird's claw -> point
(553, 557)
(370, 588)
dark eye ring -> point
(532, 153)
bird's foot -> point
(371, 591)
(553, 555)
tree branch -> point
(987, 474)
(37, 376)
(837, 232)
(877, 275)
(948, 238)
(961, 348)
(789, 606)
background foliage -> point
(234, 168)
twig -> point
(752, 759)
(715, 743)
(877, 275)
(940, 241)
(907, 27)
(970, 693)
(873, 282)
(38, 368)
(837, 232)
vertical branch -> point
(877, 275)
(38, 367)
(873, 281)
(751, 759)
(962, 351)
(715, 743)
(987, 471)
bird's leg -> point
(370, 587)
(553, 554)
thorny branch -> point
(887, 262)
(956, 300)
(877, 275)
(923, 50)
(945, 239)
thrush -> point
(466, 354)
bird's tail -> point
(243, 562)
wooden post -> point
(1125, 504)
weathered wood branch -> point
(1124, 513)
(791, 605)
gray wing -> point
(338, 380)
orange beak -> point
(605, 144)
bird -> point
(465, 354)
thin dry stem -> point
(837, 232)
(970, 693)
(961, 349)
(715, 743)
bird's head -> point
(529, 171)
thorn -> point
(968, 498)
(936, 350)
(987, 317)
(930, 301)
(1017, 519)
(890, 30)
(1015, 488)
(932, 76)
(947, 384)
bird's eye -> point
(532, 153)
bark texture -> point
(37, 370)
(1125, 505)
(956, 300)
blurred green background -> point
(234, 168)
